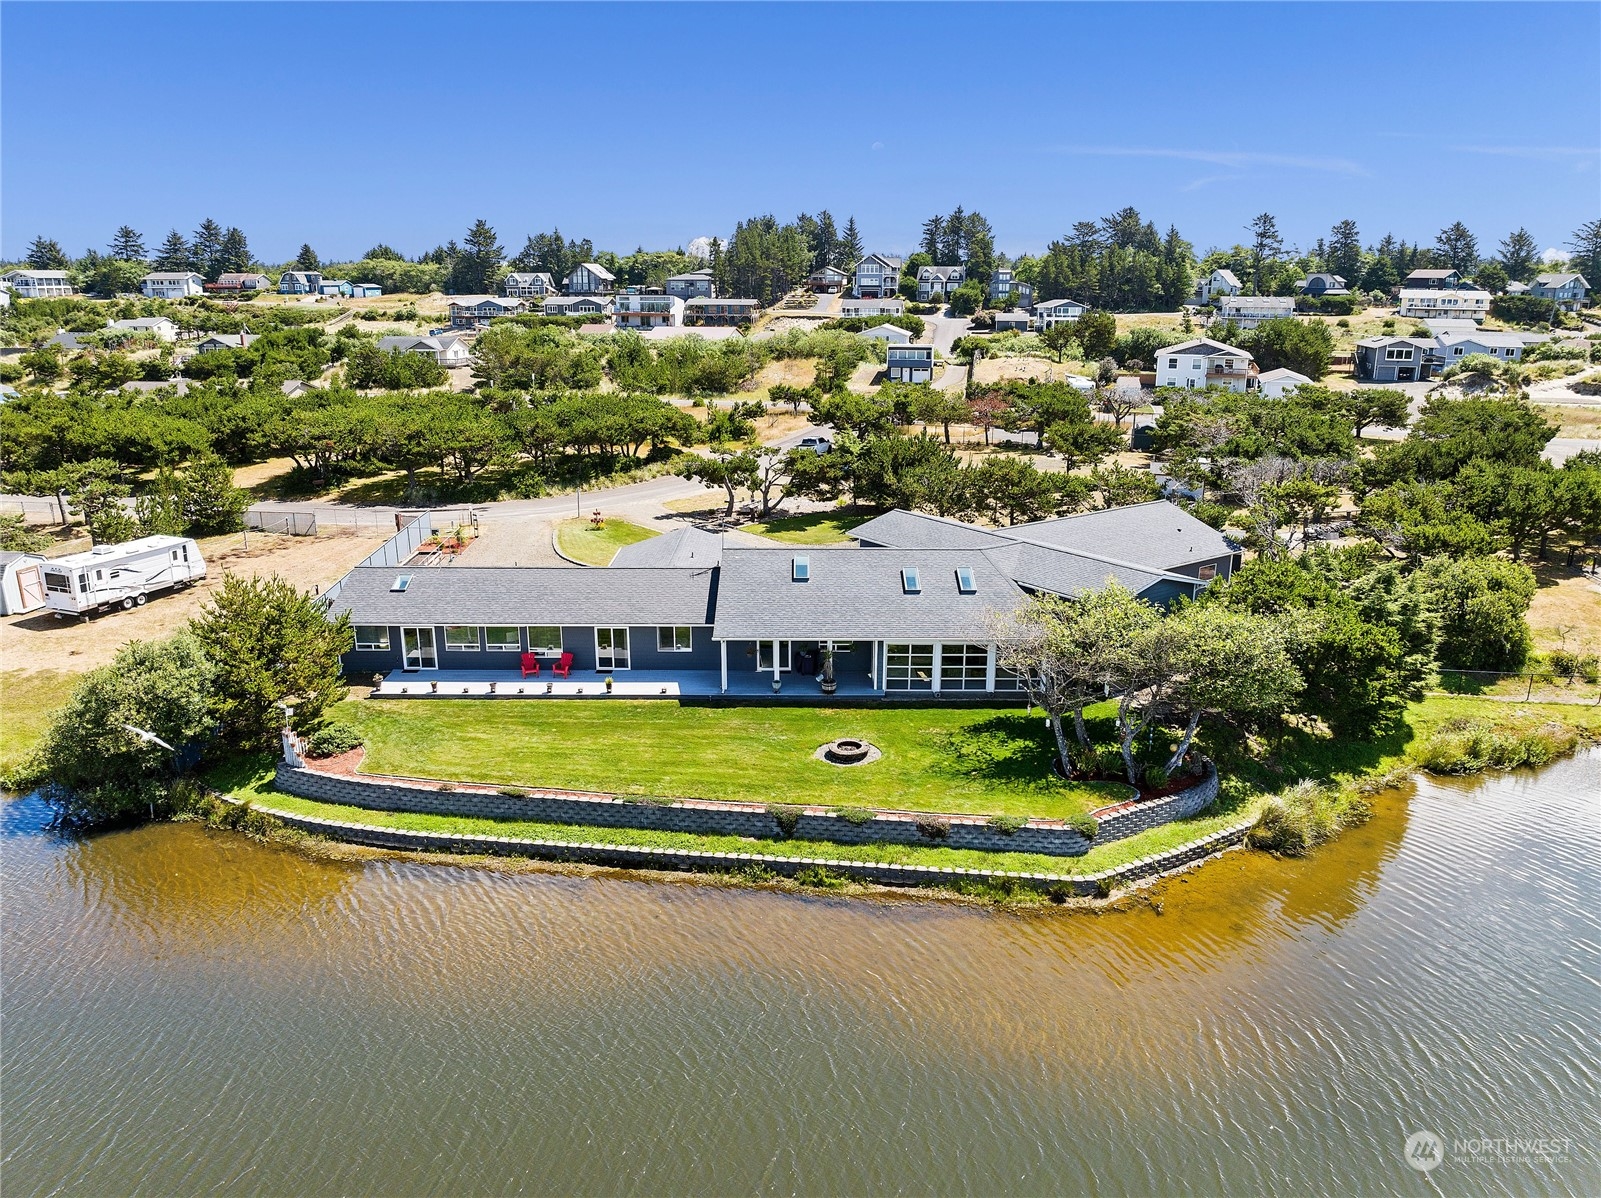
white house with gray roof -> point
(448, 349)
(38, 284)
(529, 284)
(1204, 362)
(1248, 311)
(1219, 282)
(176, 284)
(911, 609)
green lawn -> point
(985, 761)
(253, 781)
(583, 542)
(27, 701)
(814, 528)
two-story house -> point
(175, 284)
(300, 282)
(635, 309)
(1321, 284)
(1434, 280)
(828, 278)
(1219, 282)
(1248, 311)
(910, 363)
(577, 305)
(877, 276)
(530, 284)
(1421, 303)
(1050, 313)
(159, 327)
(1205, 363)
(1396, 359)
(476, 311)
(39, 284)
(1566, 288)
(1006, 286)
(694, 284)
(590, 278)
(212, 342)
(939, 280)
(726, 313)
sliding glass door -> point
(419, 646)
(611, 649)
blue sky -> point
(348, 124)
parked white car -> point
(815, 444)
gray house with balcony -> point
(1396, 359)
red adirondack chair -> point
(530, 665)
(563, 666)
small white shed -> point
(21, 583)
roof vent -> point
(964, 580)
(909, 581)
(800, 569)
(402, 581)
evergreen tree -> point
(174, 253)
(307, 258)
(825, 247)
(204, 248)
(1266, 246)
(850, 246)
(1520, 255)
(127, 245)
(477, 263)
(1458, 247)
(953, 239)
(46, 254)
(1344, 254)
(933, 229)
(233, 255)
(719, 268)
(979, 240)
(1586, 247)
(385, 253)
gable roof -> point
(1434, 274)
(938, 272)
(1045, 305)
(888, 260)
(1560, 278)
(1205, 347)
(682, 548)
(697, 276)
(1505, 340)
(502, 595)
(1385, 342)
(599, 271)
(856, 594)
(1283, 375)
(1226, 275)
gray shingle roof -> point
(919, 530)
(528, 595)
(1205, 346)
(1158, 535)
(856, 594)
(683, 547)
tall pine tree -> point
(1345, 252)
(45, 253)
(307, 258)
(1520, 254)
(204, 248)
(127, 245)
(851, 250)
(174, 253)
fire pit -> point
(848, 751)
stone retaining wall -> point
(706, 818)
(645, 857)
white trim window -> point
(1398, 354)
(368, 636)
(502, 639)
(909, 667)
(678, 638)
(545, 640)
(964, 667)
(462, 638)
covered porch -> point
(625, 684)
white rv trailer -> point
(120, 575)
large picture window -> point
(544, 638)
(371, 636)
(462, 637)
(963, 667)
(502, 640)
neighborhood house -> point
(590, 278)
(476, 311)
(530, 284)
(1424, 302)
(910, 363)
(645, 310)
(1396, 360)
(1248, 311)
(878, 276)
(445, 348)
(38, 284)
(1568, 290)
(1205, 363)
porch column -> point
(939, 654)
(723, 646)
(872, 666)
(989, 670)
(777, 673)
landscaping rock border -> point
(706, 817)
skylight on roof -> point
(402, 581)
(964, 580)
(800, 569)
(909, 581)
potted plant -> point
(826, 680)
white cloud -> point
(699, 247)
(1233, 159)
(878, 145)
(1554, 255)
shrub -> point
(1007, 825)
(445, 787)
(332, 741)
(1305, 816)
(513, 792)
(934, 828)
(752, 871)
(1156, 776)
(1086, 826)
(786, 816)
(856, 816)
(821, 877)
(1464, 746)
(1568, 664)
(1103, 887)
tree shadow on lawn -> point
(1014, 751)
(1301, 752)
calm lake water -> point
(188, 1012)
